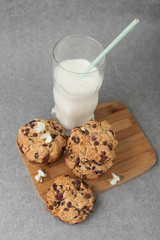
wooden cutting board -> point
(134, 154)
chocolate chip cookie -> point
(90, 149)
(42, 141)
(70, 199)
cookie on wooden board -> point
(70, 199)
(42, 141)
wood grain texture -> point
(134, 154)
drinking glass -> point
(75, 93)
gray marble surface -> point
(28, 31)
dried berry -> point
(50, 207)
(44, 145)
(55, 203)
(96, 143)
(45, 158)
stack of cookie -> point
(89, 153)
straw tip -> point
(137, 20)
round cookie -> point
(36, 150)
(90, 149)
(70, 199)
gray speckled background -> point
(28, 31)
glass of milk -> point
(76, 94)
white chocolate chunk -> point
(37, 178)
(115, 179)
(41, 173)
(40, 127)
(48, 139)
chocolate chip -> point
(77, 162)
(110, 147)
(59, 197)
(85, 209)
(32, 121)
(26, 133)
(62, 203)
(105, 143)
(36, 155)
(55, 186)
(96, 143)
(66, 153)
(93, 138)
(73, 182)
(50, 207)
(53, 136)
(44, 145)
(29, 138)
(73, 139)
(77, 184)
(69, 204)
(88, 195)
(88, 168)
(21, 149)
(99, 172)
(50, 145)
(93, 168)
(101, 161)
(60, 130)
(66, 209)
(45, 158)
(111, 132)
(86, 132)
(35, 134)
(85, 184)
(94, 125)
(27, 129)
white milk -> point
(75, 97)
